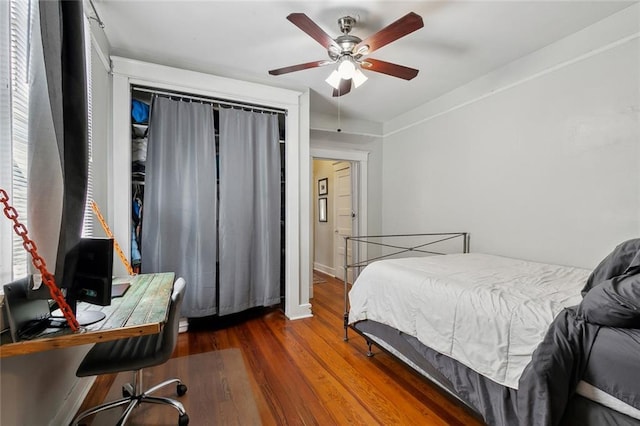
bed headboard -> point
(377, 247)
(360, 250)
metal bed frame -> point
(378, 240)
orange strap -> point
(30, 246)
(109, 234)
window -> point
(15, 50)
(5, 135)
(87, 226)
(15, 115)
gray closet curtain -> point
(249, 220)
(179, 225)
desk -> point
(142, 310)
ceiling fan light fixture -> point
(346, 67)
(334, 79)
(358, 78)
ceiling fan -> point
(349, 51)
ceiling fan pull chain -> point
(339, 123)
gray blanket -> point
(558, 364)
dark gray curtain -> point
(58, 133)
(249, 221)
(179, 225)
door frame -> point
(127, 72)
(359, 179)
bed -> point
(518, 342)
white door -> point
(342, 217)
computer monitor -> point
(92, 278)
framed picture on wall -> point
(322, 209)
(323, 186)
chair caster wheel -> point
(183, 420)
(181, 389)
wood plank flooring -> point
(302, 372)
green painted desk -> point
(142, 310)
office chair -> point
(134, 354)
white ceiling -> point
(460, 41)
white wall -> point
(537, 160)
(41, 388)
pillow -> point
(614, 302)
(625, 258)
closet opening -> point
(260, 192)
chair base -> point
(133, 397)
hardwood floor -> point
(302, 372)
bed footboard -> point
(378, 247)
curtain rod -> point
(207, 100)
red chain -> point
(109, 234)
(30, 246)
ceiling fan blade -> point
(305, 23)
(392, 32)
(300, 67)
(343, 89)
(389, 68)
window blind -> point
(5, 138)
(20, 27)
(88, 221)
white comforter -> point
(487, 312)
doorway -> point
(346, 202)
(333, 215)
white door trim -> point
(128, 71)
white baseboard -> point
(72, 403)
(300, 311)
(184, 325)
(324, 269)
